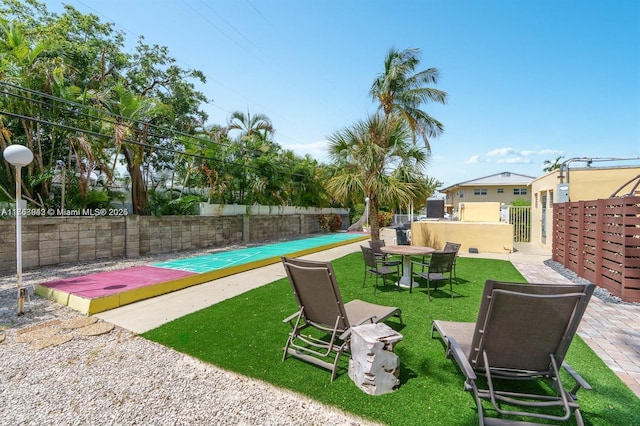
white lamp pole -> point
(19, 156)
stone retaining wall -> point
(55, 240)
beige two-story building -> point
(503, 188)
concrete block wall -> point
(180, 233)
(54, 240)
(265, 228)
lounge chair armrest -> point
(461, 359)
(291, 317)
(580, 382)
(344, 336)
(371, 319)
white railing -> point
(257, 209)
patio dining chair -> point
(439, 268)
(385, 258)
(372, 266)
(448, 247)
(321, 328)
(522, 333)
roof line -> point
(484, 177)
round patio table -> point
(406, 252)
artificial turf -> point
(246, 334)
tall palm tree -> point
(401, 91)
(258, 124)
(251, 144)
(129, 119)
(364, 156)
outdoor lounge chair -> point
(523, 331)
(321, 328)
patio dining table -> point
(406, 252)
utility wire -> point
(126, 140)
(103, 113)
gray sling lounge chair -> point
(523, 331)
(321, 328)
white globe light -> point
(18, 155)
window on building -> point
(551, 198)
(461, 194)
(519, 191)
(506, 174)
(480, 191)
(500, 190)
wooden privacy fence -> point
(600, 241)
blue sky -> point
(527, 80)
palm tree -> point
(250, 126)
(552, 165)
(401, 91)
(364, 156)
(251, 144)
(130, 115)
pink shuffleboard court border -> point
(108, 283)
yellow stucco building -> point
(575, 184)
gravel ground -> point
(118, 378)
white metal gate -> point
(520, 218)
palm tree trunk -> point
(138, 192)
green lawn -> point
(431, 390)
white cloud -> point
(550, 152)
(317, 149)
(542, 152)
(473, 159)
(500, 151)
(513, 160)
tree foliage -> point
(379, 158)
(96, 117)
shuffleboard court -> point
(103, 291)
(221, 260)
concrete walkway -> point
(611, 330)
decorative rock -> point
(78, 322)
(96, 329)
(373, 366)
(38, 326)
(56, 340)
(36, 334)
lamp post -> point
(19, 156)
